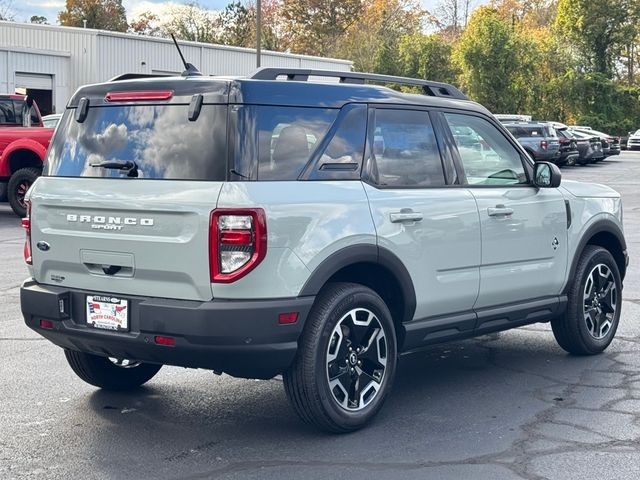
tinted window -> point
(404, 152)
(278, 140)
(533, 132)
(493, 161)
(342, 157)
(159, 138)
(7, 113)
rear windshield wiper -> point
(127, 165)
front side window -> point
(278, 141)
(490, 161)
(160, 139)
(404, 151)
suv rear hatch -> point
(129, 184)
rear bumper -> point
(547, 156)
(241, 338)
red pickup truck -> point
(23, 144)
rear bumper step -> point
(238, 337)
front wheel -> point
(110, 373)
(346, 359)
(594, 303)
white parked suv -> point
(258, 226)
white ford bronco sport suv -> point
(277, 225)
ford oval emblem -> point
(44, 246)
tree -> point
(315, 26)
(99, 14)
(599, 29)
(495, 62)
(237, 25)
(147, 23)
(427, 57)
(192, 22)
(452, 16)
(38, 19)
(372, 41)
(6, 12)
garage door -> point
(34, 80)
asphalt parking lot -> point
(507, 406)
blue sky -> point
(24, 9)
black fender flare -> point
(364, 253)
(601, 226)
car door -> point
(422, 216)
(524, 228)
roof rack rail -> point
(133, 76)
(434, 89)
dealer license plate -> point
(108, 313)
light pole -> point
(258, 31)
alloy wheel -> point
(600, 301)
(356, 359)
(124, 362)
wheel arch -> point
(375, 267)
(605, 234)
(21, 153)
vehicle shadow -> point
(497, 380)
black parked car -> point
(610, 145)
(589, 146)
(569, 153)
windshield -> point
(160, 139)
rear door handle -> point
(405, 215)
(499, 211)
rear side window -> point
(404, 151)
(160, 139)
(8, 113)
(278, 141)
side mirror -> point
(546, 175)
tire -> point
(586, 329)
(106, 374)
(330, 332)
(571, 162)
(18, 185)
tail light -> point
(26, 224)
(237, 242)
(564, 141)
(543, 144)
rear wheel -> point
(594, 302)
(571, 161)
(110, 373)
(19, 183)
(346, 359)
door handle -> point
(499, 211)
(405, 215)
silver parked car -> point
(263, 226)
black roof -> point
(296, 91)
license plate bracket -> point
(107, 313)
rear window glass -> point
(278, 140)
(8, 114)
(160, 139)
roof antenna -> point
(189, 69)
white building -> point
(51, 62)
